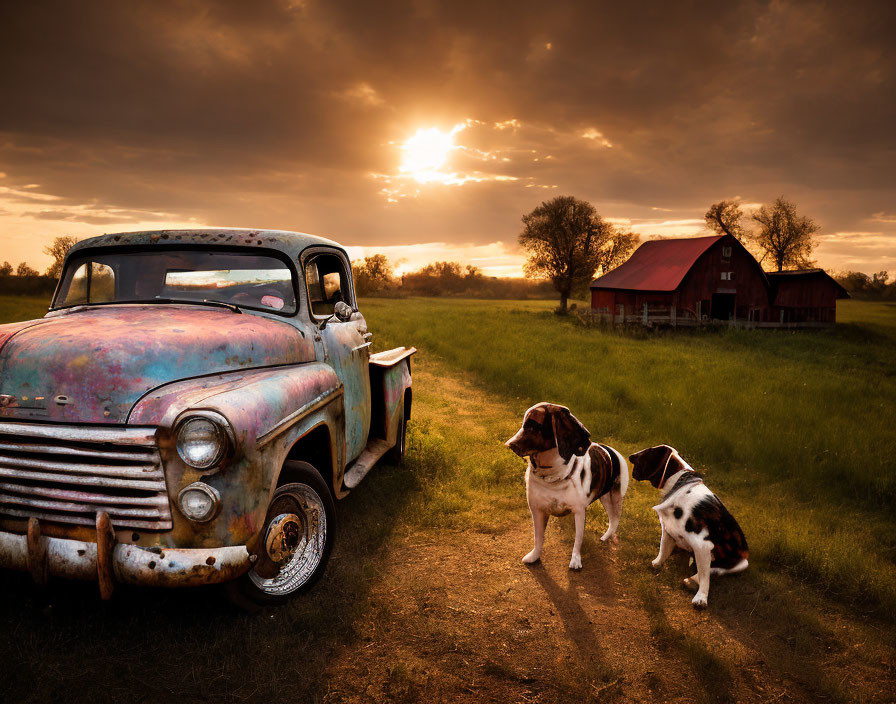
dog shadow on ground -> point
(793, 643)
(577, 623)
(789, 643)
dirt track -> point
(466, 621)
(426, 599)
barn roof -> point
(776, 277)
(657, 265)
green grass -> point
(795, 430)
(425, 598)
(15, 308)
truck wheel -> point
(396, 454)
(299, 531)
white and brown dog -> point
(566, 473)
(691, 517)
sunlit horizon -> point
(392, 132)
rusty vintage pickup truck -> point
(189, 411)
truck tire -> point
(308, 499)
(395, 456)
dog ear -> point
(571, 436)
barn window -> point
(726, 252)
(727, 275)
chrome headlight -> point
(202, 440)
(199, 502)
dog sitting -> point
(691, 517)
(566, 473)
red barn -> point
(685, 280)
(805, 296)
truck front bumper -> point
(107, 562)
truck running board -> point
(361, 466)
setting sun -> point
(427, 152)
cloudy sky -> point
(425, 129)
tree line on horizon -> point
(568, 244)
(25, 280)
(375, 276)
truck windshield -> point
(259, 281)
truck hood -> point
(92, 365)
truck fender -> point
(390, 384)
(269, 410)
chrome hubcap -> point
(284, 533)
(297, 542)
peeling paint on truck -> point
(92, 397)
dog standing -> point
(566, 473)
(691, 517)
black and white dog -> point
(691, 517)
(566, 473)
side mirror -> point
(343, 311)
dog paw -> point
(699, 601)
(690, 583)
(656, 564)
(531, 558)
(612, 537)
(576, 562)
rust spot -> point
(152, 564)
(210, 560)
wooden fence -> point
(668, 316)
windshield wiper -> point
(202, 302)
(233, 306)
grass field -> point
(792, 426)
(13, 308)
(426, 598)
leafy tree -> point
(784, 236)
(617, 249)
(6, 269)
(875, 287)
(373, 275)
(58, 250)
(726, 218)
(567, 242)
(24, 270)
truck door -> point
(345, 343)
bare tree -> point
(784, 236)
(567, 242)
(726, 218)
(58, 250)
(6, 269)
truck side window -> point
(91, 283)
(327, 283)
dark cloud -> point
(277, 113)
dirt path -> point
(426, 600)
(456, 616)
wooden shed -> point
(685, 281)
(805, 296)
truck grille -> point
(67, 474)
